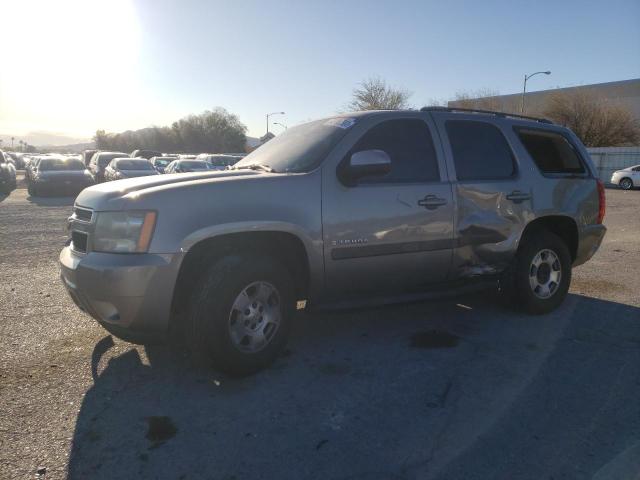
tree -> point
(483, 99)
(215, 131)
(375, 94)
(596, 121)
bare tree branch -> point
(375, 94)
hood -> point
(111, 195)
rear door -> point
(392, 233)
(493, 193)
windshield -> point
(222, 161)
(133, 165)
(56, 164)
(105, 158)
(161, 162)
(197, 165)
(301, 148)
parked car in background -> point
(219, 161)
(7, 175)
(161, 162)
(186, 156)
(627, 178)
(145, 154)
(365, 207)
(185, 166)
(16, 159)
(120, 168)
(31, 166)
(86, 156)
(99, 163)
(59, 175)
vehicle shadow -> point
(393, 392)
(52, 201)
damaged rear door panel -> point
(493, 192)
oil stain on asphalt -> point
(160, 429)
(434, 339)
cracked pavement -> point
(353, 397)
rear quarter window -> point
(550, 151)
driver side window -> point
(409, 144)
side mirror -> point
(364, 164)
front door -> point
(389, 234)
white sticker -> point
(339, 122)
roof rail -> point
(489, 112)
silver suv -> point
(372, 206)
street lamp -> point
(272, 113)
(524, 90)
(281, 124)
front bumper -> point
(129, 294)
(589, 241)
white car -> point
(627, 178)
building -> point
(625, 92)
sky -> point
(74, 66)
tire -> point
(626, 183)
(225, 335)
(520, 279)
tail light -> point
(602, 201)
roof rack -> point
(489, 112)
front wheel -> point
(241, 313)
(539, 279)
(626, 184)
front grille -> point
(79, 241)
(83, 214)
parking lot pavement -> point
(456, 388)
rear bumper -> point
(60, 188)
(130, 295)
(588, 243)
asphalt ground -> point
(458, 388)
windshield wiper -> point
(256, 166)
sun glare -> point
(66, 56)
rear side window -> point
(551, 151)
(480, 151)
(409, 145)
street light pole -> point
(272, 113)
(524, 89)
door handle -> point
(431, 202)
(517, 196)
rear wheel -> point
(241, 313)
(539, 279)
(626, 184)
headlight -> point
(124, 232)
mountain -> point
(42, 138)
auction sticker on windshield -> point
(340, 122)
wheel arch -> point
(563, 226)
(284, 245)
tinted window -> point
(194, 165)
(61, 164)
(480, 151)
(551, 151)
(410, 147)
(133, 165)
